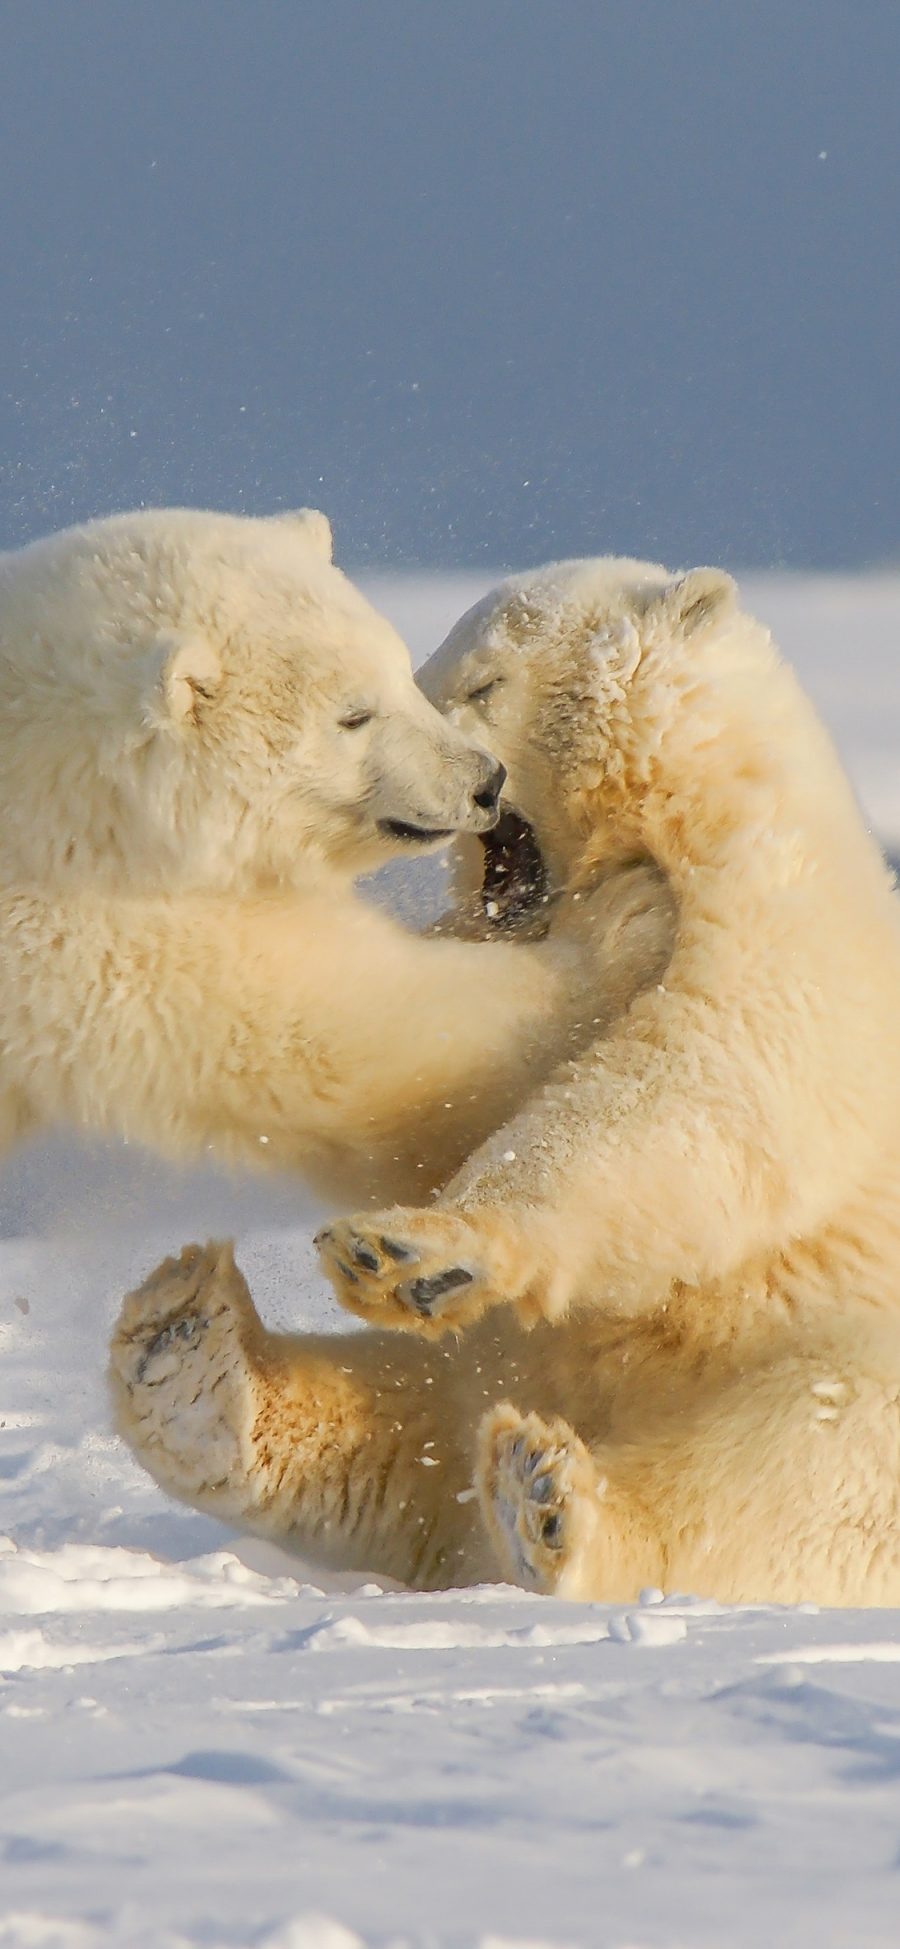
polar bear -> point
(206, 734)
(650, 1332)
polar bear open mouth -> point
(515, 877)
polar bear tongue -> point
(515, 878)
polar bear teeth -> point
(515, 878)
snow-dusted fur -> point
(205, 734)
(698, 1216)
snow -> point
(205, 1742)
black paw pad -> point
(426, 1292)
(364, 1256)
(542, 1488)
(186, 1330)
(401, 1254)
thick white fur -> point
(698, 1215)
(174, 690)
(188, 792)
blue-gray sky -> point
(490, 280)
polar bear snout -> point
(426, 792)
(477, 813)
(487, 796)
(479, 809)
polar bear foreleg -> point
(612, 1183)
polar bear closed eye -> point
(654, 1320)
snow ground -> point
(203, 1742)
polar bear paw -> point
(535, 1481)
(417, 1269)
(182, 1369)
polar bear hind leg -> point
(347, 1448)
(557, 1522)
(184, 1373)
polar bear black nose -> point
(488, 794)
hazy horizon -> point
(489, 284)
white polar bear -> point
(203, 704)
(205, 734)
(698, 1216)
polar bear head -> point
(611, 690)
(201, 701)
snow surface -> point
(204, 1742)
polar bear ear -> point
(189, 670)
(703, 596)
(314, 527)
